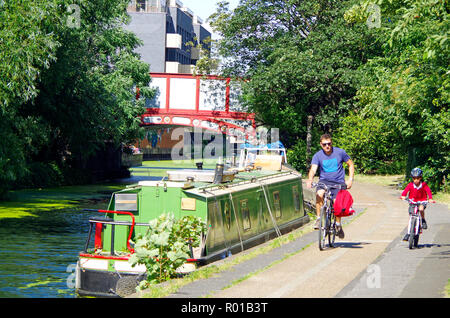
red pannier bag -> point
(343, 204)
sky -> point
(204, 8)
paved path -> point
(371, 261)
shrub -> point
(164, 247)
(373, 148)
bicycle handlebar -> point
(413, 202)
(337, 186)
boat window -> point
(277, 204)
(245, 212)
(227, 214)
(296, 196)
(125, 202)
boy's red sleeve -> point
(406, 190)
(428, 190)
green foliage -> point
(165, 246)
(297, 155)
(65, 89)
(374, 73)
(27, 47)
(407, 87)
(370, 144)
(301, 57)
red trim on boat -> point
(132, 225)
(116, 258)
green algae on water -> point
(31, 202)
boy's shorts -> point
(411, 207)
(334, 191)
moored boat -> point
(241, 208)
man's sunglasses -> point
(326, 144)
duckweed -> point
(31, 202)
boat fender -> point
(98, 236)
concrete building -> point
(166, 27)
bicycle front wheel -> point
(412, 234)
(416, 241)
(323, 228)
(332, 230)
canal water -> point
(38, 253)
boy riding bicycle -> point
(418, 192)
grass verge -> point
(170, 287)
(447, 290)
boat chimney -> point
(218, 173)
(233, 160)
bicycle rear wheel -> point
(323, 228)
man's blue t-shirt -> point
(331, 168)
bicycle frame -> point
(415, 224)
(327, 227)
(415, 216)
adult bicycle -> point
(327, 226)
(415, 223)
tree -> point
(302, 58)
(407, 87)
(66, 88)
(26, 49)
(89, 92)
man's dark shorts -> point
(334, 191)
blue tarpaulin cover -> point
(274, 145)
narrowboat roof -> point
(247, 180)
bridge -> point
(206, 102)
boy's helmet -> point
(416, 172)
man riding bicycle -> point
(330, 160)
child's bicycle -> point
(327, 227)
(415, 224)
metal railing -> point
(113, 223)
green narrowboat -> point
(241, 210)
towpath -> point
(371, 261)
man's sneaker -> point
(340, 231)
(424, 224)
(406, 238)
(317, 224)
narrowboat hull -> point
(253, 208)
(106, 284)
